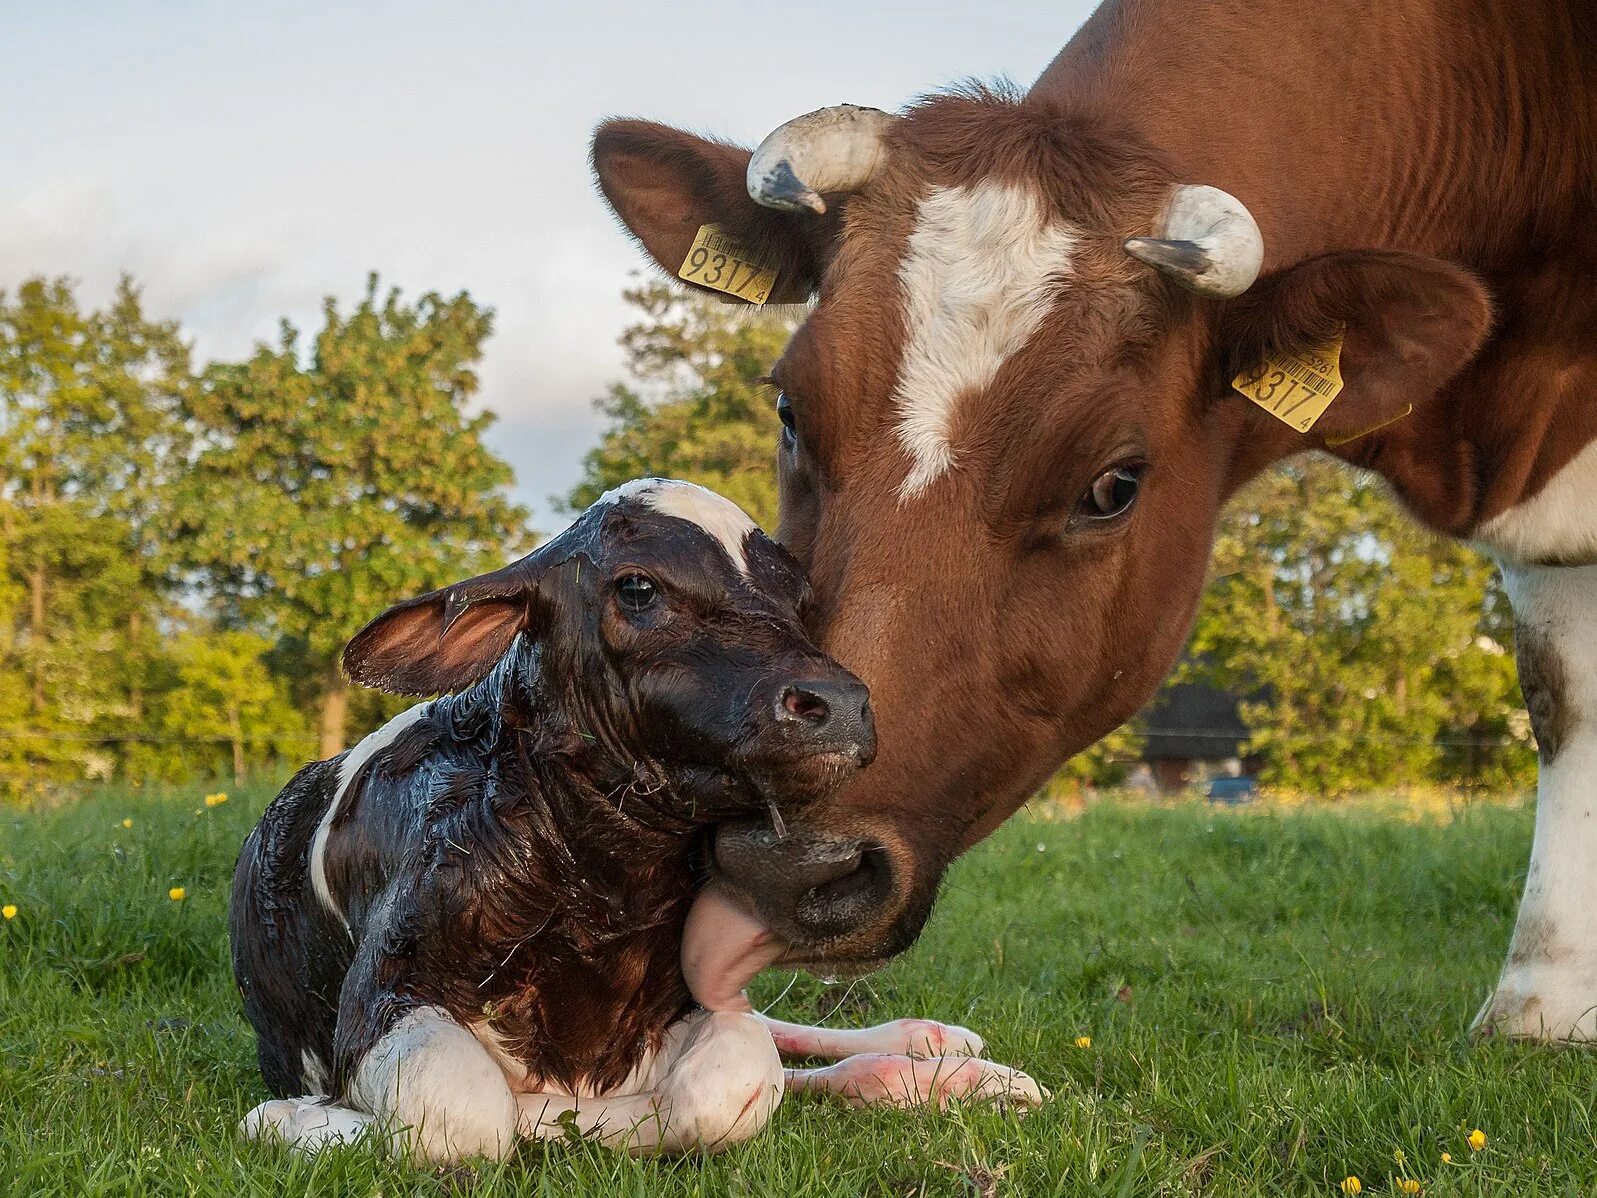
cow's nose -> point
(833, 714)
(808, 887)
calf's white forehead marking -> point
(354, 761)
(715, 514)
(981, 269)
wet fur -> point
(509, 887)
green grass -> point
(1274, 1002)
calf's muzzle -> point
(831, 715)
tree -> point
(1374, 651)
(332, 483)
(223, 694)
(91, 432)
(700, 410)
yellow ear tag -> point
(722, 264)
(1296, 388)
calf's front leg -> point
(906, 1062)
(889, 1079)
(901, 1037)
(715, 1083)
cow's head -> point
(1009, 430)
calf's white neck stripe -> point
(348, 769)
(977, 279)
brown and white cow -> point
(1010, 424)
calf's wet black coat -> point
(522, 852)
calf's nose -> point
(833, 714)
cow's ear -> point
(1407, 325)
(448, 639)
(665, 185)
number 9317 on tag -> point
(722, 264)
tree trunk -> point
(235, 733)
(335, 704)
(36, 634)
(136, 684)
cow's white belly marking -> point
(1556, 525)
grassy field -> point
(1274, 1002)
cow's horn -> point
(828, 150)
(1210, 242)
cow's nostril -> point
(806, 705)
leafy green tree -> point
(227, 707)
(335, 479)
(1374, 650)
(91, 432)
(698, 409)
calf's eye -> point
(637, 592)
(1112, 493)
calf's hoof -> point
(928, 1038)
(304, 1124)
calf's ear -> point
(1408, 325)
(445, 640)
(664, 184)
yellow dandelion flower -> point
(127, 823)
(1352, 1185)
(1407, 1185)
(215, 800)
(9, 911)
(1447, 1158)
(177, 894)
(1083, 1041)
(1477, 1139)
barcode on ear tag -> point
(1296, 388)
(720, 263)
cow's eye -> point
(784, 413)
(637, 592)
(1112, 493)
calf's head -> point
(662, 638)
(1008, 431)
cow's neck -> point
(1355, 125)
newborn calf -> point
(468, 927)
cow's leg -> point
(885, 1079)
(1548, 988)
(900, 1037)
(715, 1084)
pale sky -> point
(241, 161)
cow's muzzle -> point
(829, 897)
